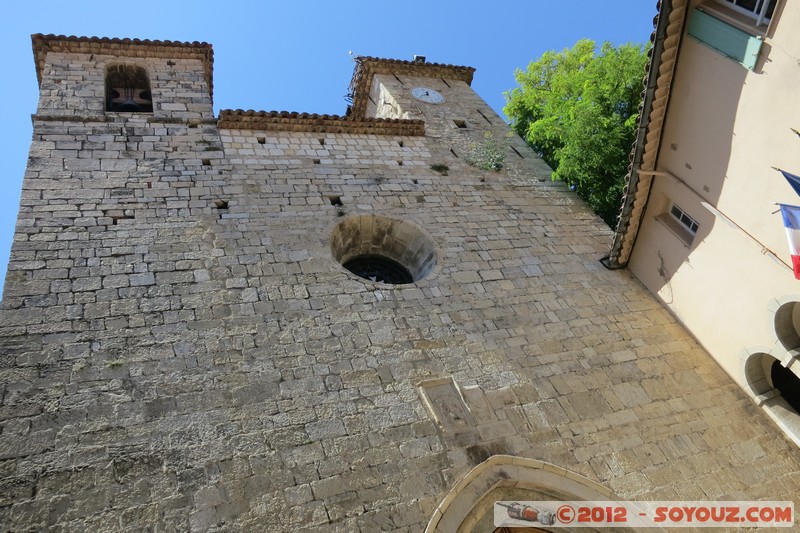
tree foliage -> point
(578, 110)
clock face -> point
(427, 95)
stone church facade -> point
(183, 348)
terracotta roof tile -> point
(668, 32)
(311, 122)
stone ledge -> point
(115, 118)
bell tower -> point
(97, 78)
(124, 139)
(395, 89)
(442, 97)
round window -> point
(383, 250)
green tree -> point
(578, 110)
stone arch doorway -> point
(469, 506)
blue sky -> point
(293, 55)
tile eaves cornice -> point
(311, 122)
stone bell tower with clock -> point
(440, 95)
(397, 89)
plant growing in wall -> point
(487, 154)
(441, 169)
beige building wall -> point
(726, 128)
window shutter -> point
(724, 38)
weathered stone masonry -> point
(181, 351)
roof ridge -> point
(117, 40)
(238, 119)
(305, 115)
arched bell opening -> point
(128, 90)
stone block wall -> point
(74, 85)
(181, 350)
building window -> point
(128, 90)
(787, 383)
(384, 250)
(678, 222)
(759, 10)
(683, 219)
(774, 388)
(731, 36)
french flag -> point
(791, 221)
(793, 180)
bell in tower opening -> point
(128, 90)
